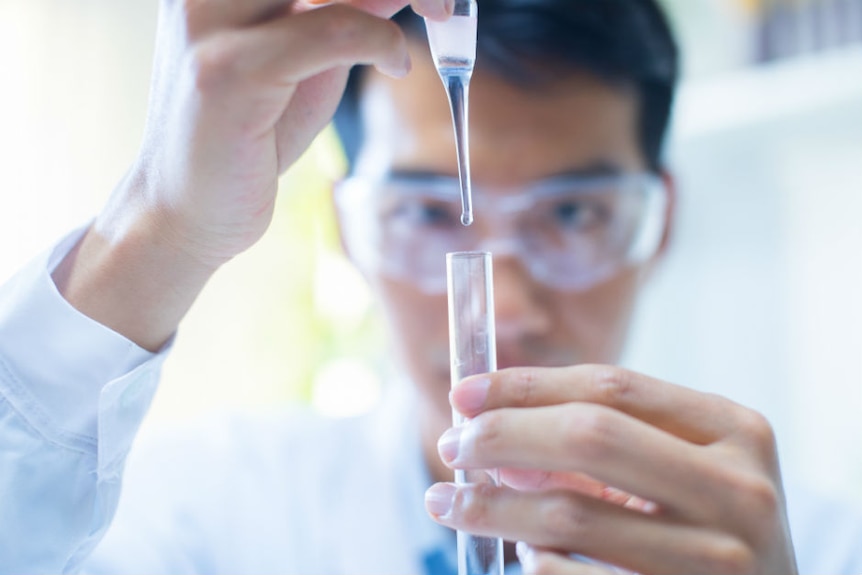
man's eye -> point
(571, 213)
(426, 213)
(567, 211)
(578, 214)
(434, 214)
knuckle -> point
(392, 36)
(763, 495)
(348, 30)
(590, 435)
(544, 564)
(761, 500)
(612, 385)
(213, 64)
(472, 505)
(489, 432)
(729, 556)
(526, 386)
(565, 519)
(756, 431)
(341, 28)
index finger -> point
(698, 417)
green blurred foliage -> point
(305, 228)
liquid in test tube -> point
(473, 350)
(453, 47)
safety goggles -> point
(570, 232)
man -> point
(570, 102)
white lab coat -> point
(281, 492)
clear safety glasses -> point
(570, 233)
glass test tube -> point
(472, 350)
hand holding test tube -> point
(473, 350)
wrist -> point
(131, 271)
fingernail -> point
(525, 556)
(438, 10)
(471, 394)
(449, 444)
(398, 70)
(439, 498)
(408, 63)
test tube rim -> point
(467, 255)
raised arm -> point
(240, 88)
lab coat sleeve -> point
(827, 531)
(72, 396)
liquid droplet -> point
(466, 218)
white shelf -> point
(768, 93)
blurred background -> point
(760, 298)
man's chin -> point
(505, 361)
(562, 359)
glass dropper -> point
(453, 47)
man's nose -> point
(518, 308)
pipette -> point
(453, 46)
(473, 350)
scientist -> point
(570, 101)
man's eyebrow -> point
(593, 170)
(419, 175)
(601, 169)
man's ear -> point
(339, 224)
(670, 211)
(340, 227)
(669, 182)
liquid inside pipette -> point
(457, 84)
(453, 46)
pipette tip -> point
(466, 218)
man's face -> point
(577, 125)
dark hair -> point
(627, 43)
